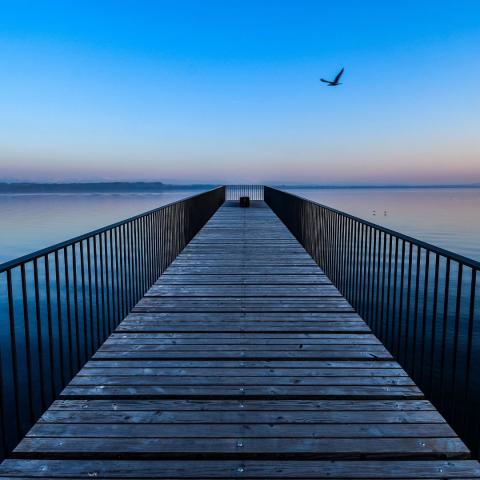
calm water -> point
(445, 217)
(32, 222)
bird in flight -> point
(335, 82)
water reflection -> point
(446, 217)
(31, 222)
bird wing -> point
(337, 78)
(325, 81)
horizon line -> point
(14, 185)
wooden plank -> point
(262, 391)
(246, 279)
(308, 367)
(244, 339)
(244, 417)
(239, 381)
(241, 404)
(372, 447)
(243, 270)
(241, 430)
(109, 353)
(230, 469)
(239, 304)
(166, 326)
(234, 317)
(244, 290)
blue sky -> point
(227, 91)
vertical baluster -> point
(433, 345)
(143, 255)
(124, 267)
(75, 304)
(334, 245)
(84, 304)
(58, 289)
(470, 413)
(406, 343)
(377, 292)
(90, 292)
(151, 251)
(416, 307)
(107, 285)
(423, 341)
(382, 302)
(49, 328)
(5, 437)
(113, 287)
(354, 260)
(38, 319)
(14, 356)
(104, 290)
(28, 347)
(389, 282)
(135, 260)
(456, 334)
(349, 262)
(444, 331)
(365, 230)
(131, 267)
(372, 276)
(345, 242)
(118, 296)
(97, 292)
(394, 303)
(400, 303)
(129, 264)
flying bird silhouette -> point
(335, 82)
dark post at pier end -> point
(244, 202)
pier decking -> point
(242, 361)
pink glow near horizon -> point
(328, 169)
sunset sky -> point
(229, 91)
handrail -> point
(59, 304)
(422, 301)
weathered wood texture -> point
(242, 361)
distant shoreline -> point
(96, 187)
(158, 187)
(370, 187)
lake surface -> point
(447, 217)
(29, 222)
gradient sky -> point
(229, 91)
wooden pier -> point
(242, 361)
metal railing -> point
(420, 300)
(234, 192)
(59, 304)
